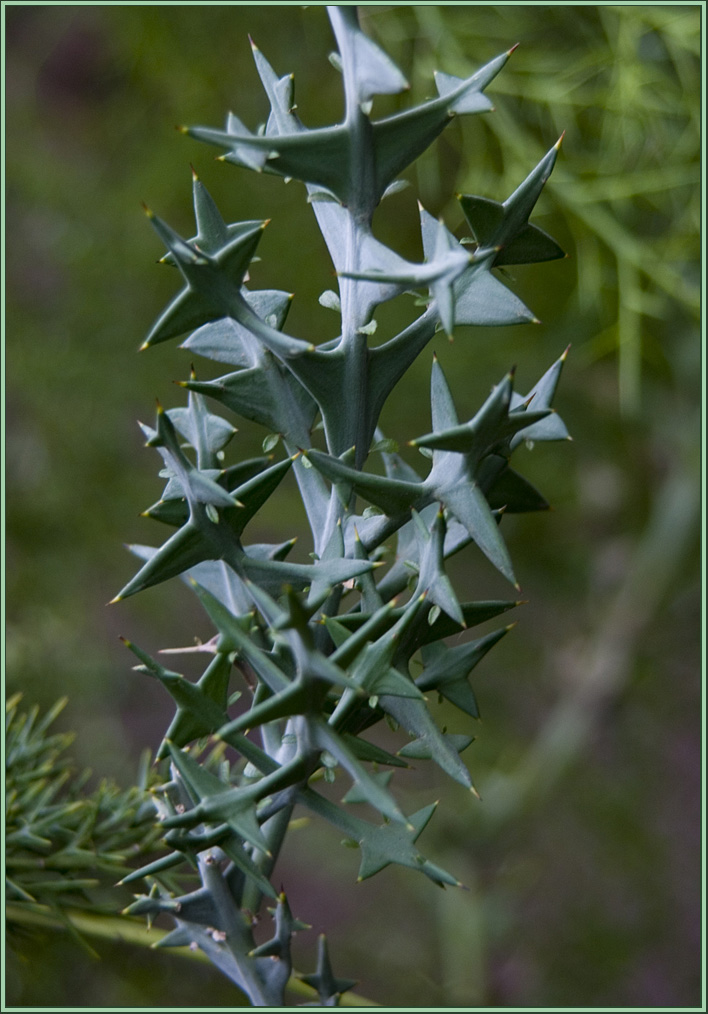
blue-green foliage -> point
(325, 648)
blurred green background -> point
(583, 860)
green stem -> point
(135, 932)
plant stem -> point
(134, 931)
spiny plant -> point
(322, 651)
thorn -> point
(182, 130)
(118, 598)
(565, 355)
(535, 320)
(559, 141)
(143, 347)
(150, 214)
(475, 793)
(125, 640)
(517, 586)
(254, 47)
(194, 173)
(510, 51)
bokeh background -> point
(583, 861)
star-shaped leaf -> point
(326, 156)
(505, 229)
(201, 707)
(383, 844)
(285, 926)
(551, 427)
(213, 234)
(213, 280)
(476, 297)
(447, 668)
(329, 988)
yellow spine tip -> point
(510, 51)
(182, 129)
(559, 141)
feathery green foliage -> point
(325, 650)
(65, 845)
